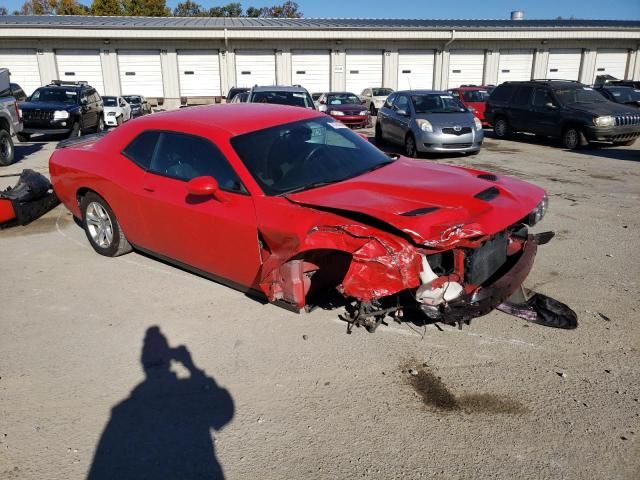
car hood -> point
(604, 108)
(346, 107)
(46, 106)
(424, 200)
(448, 119)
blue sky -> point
(476, 9)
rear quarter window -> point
(502, 93)
(140, 150)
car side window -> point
(390, 100)
(522, 96)
(401, 103)
(541, 97)
(140, 150)
(502, 93)
(184, 157)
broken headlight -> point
(538, 213)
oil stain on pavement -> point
(435, 394)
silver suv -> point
(428, 121)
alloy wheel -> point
(571, 138)
(99, 225)
(6, 148)
(500, 128)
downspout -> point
(226, 40)
(447, 43)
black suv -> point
(62, 108)
(562, 109)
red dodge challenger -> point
(292, 205)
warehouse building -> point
(196, 60)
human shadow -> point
(163, 429)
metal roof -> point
(211, 23)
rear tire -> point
(24, 137)
(573, 138)
(501, 128)
(102, 228)
(6, 148)
(410, 149)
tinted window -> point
(571, 96)
(381, 92)
(57, 95)
(522, 96)
(297, 99)
(140, 150)
(402, 103)
(389, 101)
(343, 99)
(436, 103)
(502, 93)
(475, 96)
(541, 97)
(109, 101)
(185, 157)
(306, 154)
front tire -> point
(100, 125)
(378, 135)
(102, 228)
(76, 131)
(501, 128)
(6, 148)
(119, 121)
(573, 138)
(410, 148)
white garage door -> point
(255, 67)
(364, 70)
(564, 63)
(466, 67)
(140, 73)
(199, 72)
(81, 65)
(311, 69)
(515, 65)
(611, 62)
(415, 69)
(23, 65)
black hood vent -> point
(419, 211)
(488, 194)
(488, 176)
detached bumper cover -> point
(488, 297)
(29, 199)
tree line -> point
(152, 8)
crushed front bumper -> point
(488, 297)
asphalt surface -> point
(259, 392)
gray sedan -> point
(428, 121)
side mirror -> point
(549, 105)
(402, 112)
(204, 187)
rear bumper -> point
(488, 297)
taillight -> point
(18, 111)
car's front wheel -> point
(6, 148)
(501, 128)
(100, 125)
(572, 138)
(102, 228)
(76, 131)
(410, 148)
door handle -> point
(149, 188)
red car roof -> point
(236, 118)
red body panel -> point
(479, 107)
(252, 239)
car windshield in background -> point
(306, 154)
(570, 96)
(436, 103)
(110, 101)
(297, 99)
(382, 92)
(476, 96)
(55, 95)
(625, 94)
(129, 99)
(343, 99)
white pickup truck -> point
(10, 121)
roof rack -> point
(553, 80)
(60, 83)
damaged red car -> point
(292, 205)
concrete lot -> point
(499, 399)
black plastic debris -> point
(538, 308)
(29, 199)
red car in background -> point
(344, 107)
(474, 97)
(289, 204)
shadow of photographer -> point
(163, 429)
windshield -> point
(382, 92)
(342, 99)
(625, 94)
(475, 96)
(54, 95)
(436, 103)
(297, 99)
(129, 99)
(570, 96)
(110, 101)
(305, 154)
